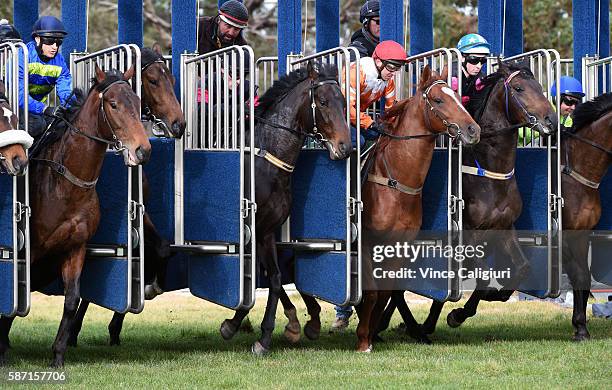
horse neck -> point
(408, 160)
(83, 156)
(282, 143)
(495, 153)
(585, 159)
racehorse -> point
(392, 193)
(65, 205)
(160, 108)
(306, 102)
(13, 142)
(586, 152)
(511, 98)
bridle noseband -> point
(436, 112)
(147, 113)
(316, 135)
(532, 122)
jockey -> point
(224, 29)
(475, 50)
(8, 32)
(376, 81)
(366, 38)
(47, 69)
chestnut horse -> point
(392, 195)
(13, 142)
(160, 108)
(65, 205)
(587, 154)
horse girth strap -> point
(485, 173)
(272, 159)
(392, 183)
(65, 172)
(566, 169)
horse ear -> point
(100, 75)
(313, 70)
(425, 76)
(444, 74)
(129, 74)
(157, 48)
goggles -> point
(569, 101)
(476, 60)
(51, 40)
(391, 67)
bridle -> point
(115, 143)
(568, 170)
(11, 136)
(147, 113)
(532, 122)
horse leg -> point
(71, 272)
(114, 328)
(364, 312)
(229, 327)
(312, 329)
(292, 329)
(575, 260)
(386, 317)
(511, 248)
(377, 312)
(5, 328)
(429, 326)
(78, 323)
(413, 328)
(267, 249)
(157, 253)
(456, 317)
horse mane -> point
(149, 56)
(285, 84)
(478, 101)
(588, 112)
(79, 96)
(396, 110)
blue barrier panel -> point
(323, 275)
(159, 173)
(6, 211)
(104, 281)
(216, 278)
(7, 281)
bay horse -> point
(392, 195)
(160, 108)
(306, 102)
(511, 98)
(13, 142)
(586, 152)
(65, 205)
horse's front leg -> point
(575, 262)
(71, 269)
(5, 328)
(78, 323)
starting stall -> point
(14, 201)
(597, 80)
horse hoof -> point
(246, 326)
(365, 350)
(114, 341)
(291, 334)
(428, 328)
(227, 330)
(259, 350)
(579, 337)
(58, 362)
(3, 361)
(451, 321)
(311, 332)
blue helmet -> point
(474, 44)
(49, 26)
(569, 86)
(370, 9)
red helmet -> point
(390, 51)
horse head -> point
(328, 107)
(159, 103)
(13, 142)
(443, 110)
(119, 109)
(524, 100)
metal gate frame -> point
(546, 75)
(196, 138)
(82, 68)
(12, 55)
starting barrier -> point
(112, 275)
(597, 80)
(14, 201)
(214, 180)
(538, 177)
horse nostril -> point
(342, 148)
(143, 154)
(178, 127)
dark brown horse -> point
(281, 132)
(65, 205)
(587, 154)
(160, 108)
(13, 142)
(511, 98)
(392, 195)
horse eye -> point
(113, 105)
(438, 100)
(323, 102)
(518, 89)
(153, 81)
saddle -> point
(54, 132)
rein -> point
(114, 143)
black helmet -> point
(49, 26)
(234, 13)
(8, 31)
(370, 9)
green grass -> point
(175, 343)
